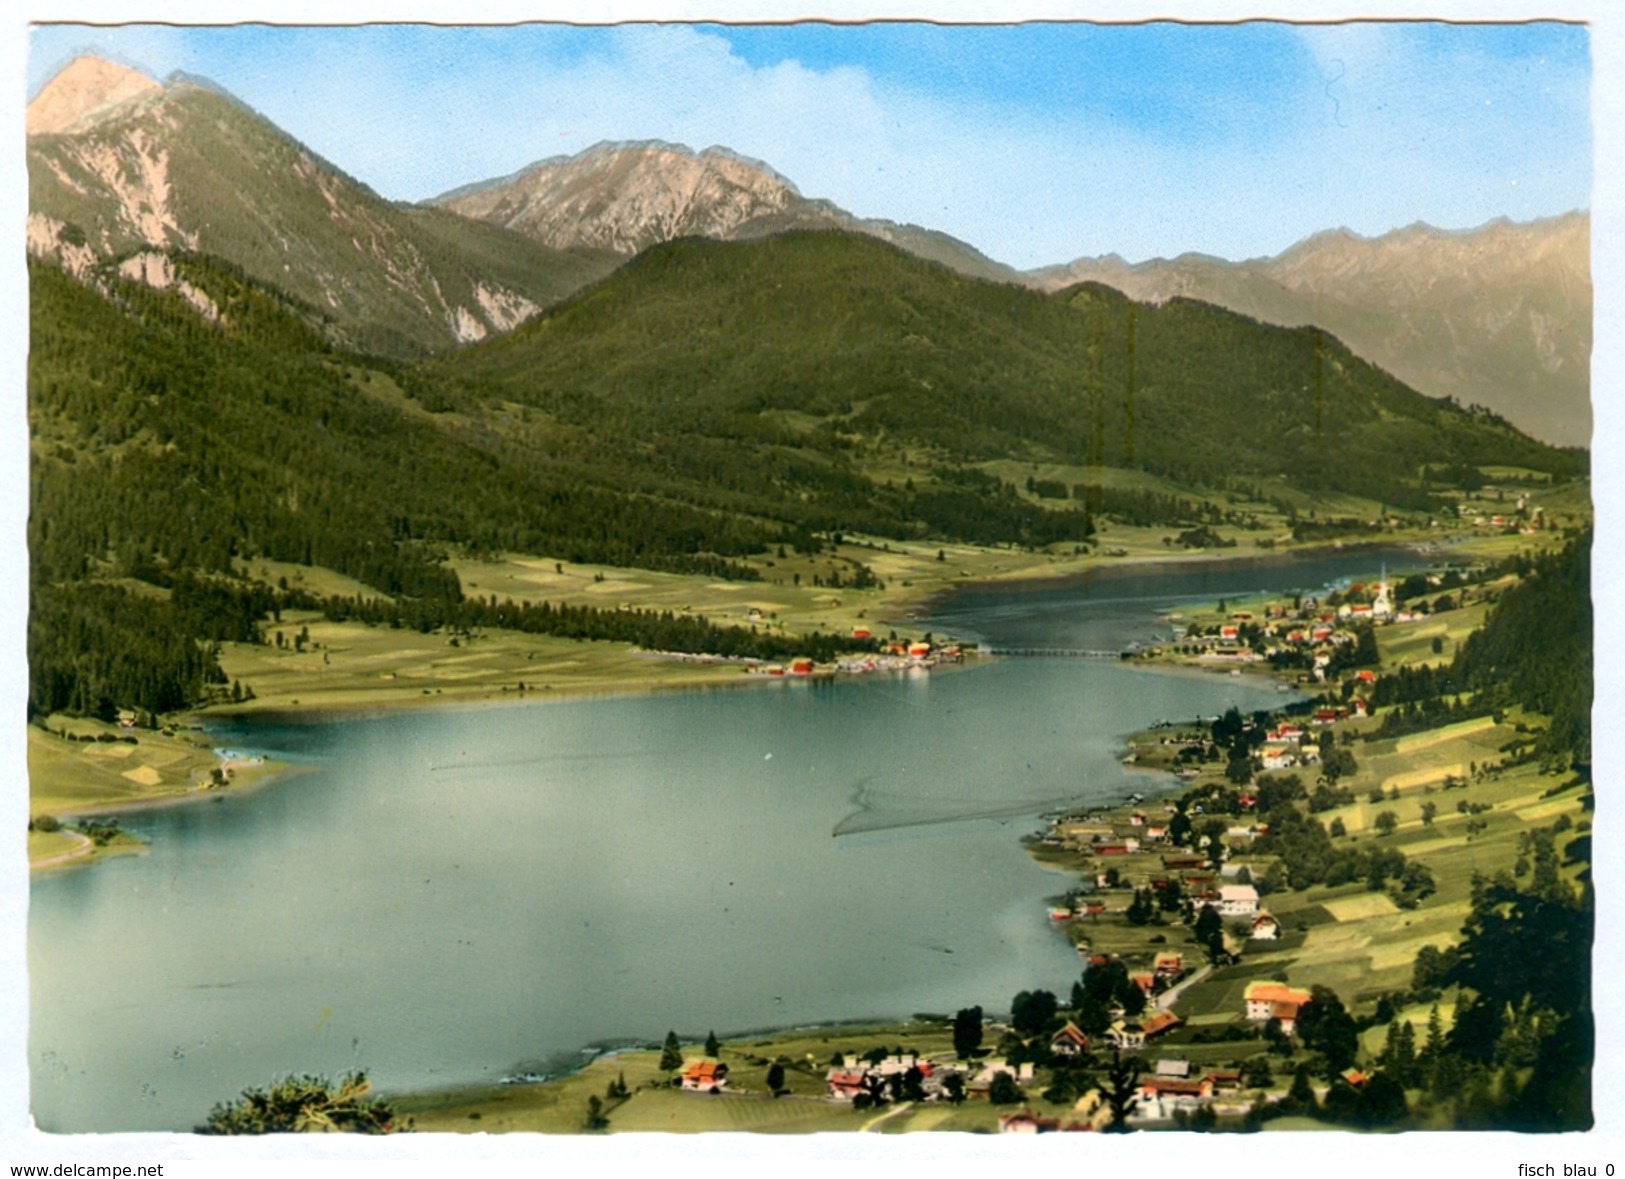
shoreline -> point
(60, 767)
(906, 609)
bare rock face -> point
(121, 166)
(624, 197)
(1498, 316)
(86, 90)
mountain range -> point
(1499, 316)
(120, 165)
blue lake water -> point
(453, 897)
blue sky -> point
(1036, 142)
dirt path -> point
(899, 1108)
(82, 848)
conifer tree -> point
(671, 1055)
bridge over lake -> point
(1054, 652)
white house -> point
(1238, 900)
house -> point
(1130, 1035)
(1265, 927)
(1238, 900)
(1145, 980)
(1120, 848)
(705, 1076)
(1286, 1014)
(1069, 1041)
(1173, 1069)
(1279, 755)
(1161, 1098)
(1156, 1087)
(844, 1084)
(1168, 965)
(1225, 1080)
(1126, 1036)
(801, 667)
(1274, 1000)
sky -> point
(1036, 142)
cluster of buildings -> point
(899, 656)
(1199, 881)
(1169, 1087)
(1527, 519)
(847, 1079)
(1309, 629)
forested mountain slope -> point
(723, 340)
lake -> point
(455, 897)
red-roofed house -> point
(1168, 964)
(844, 1084)
(1069, 1041)
(705, 1076)
(1274, 1000)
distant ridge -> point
(1499, 315)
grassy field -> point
(560, 1106)
(78, 766)
(353, 666)
(71, 772)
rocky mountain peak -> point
(625, 196)
(84, 92)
